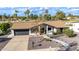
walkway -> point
(61, 42)
(18, 43)
(56, 40)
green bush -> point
(69, 33)
(1, 33)
(4, 27)
(59, 31)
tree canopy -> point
(47, 16)
(32, 16)
(60, 15)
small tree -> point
(47, 16)
(32, 16)
(35, 16)
(40, 17)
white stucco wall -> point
(30, 32)
(12, 32)
(55, 30)
(47, 29)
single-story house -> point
(74, 26)
(36, 26)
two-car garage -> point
(21, 32)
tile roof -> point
(26, 25)
(57, 23)
(33, 23)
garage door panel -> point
(21, 32)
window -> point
(49, 28)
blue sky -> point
(39, 10)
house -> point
(74, 26)
(36, 26)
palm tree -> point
(15, 14)
(4, 16)
(47, 16)
(46, 11)
(40, 17)
(16, 11)
(27, 12)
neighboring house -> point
(74, 26)
(72, 18)
(36, 26)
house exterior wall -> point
(47, 29)
(55, 30)
(30, 32)
(12, 32)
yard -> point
(36, 43)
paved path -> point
(56, 40)
(70, 40)
(61, 42)
(18, 43)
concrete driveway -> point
(17, 43)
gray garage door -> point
(21, 32)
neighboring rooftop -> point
(72, 21)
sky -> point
(39, 10)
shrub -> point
(1, 32)
(69, 33)
(59, 31)
(55, 33)
(4, 27)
